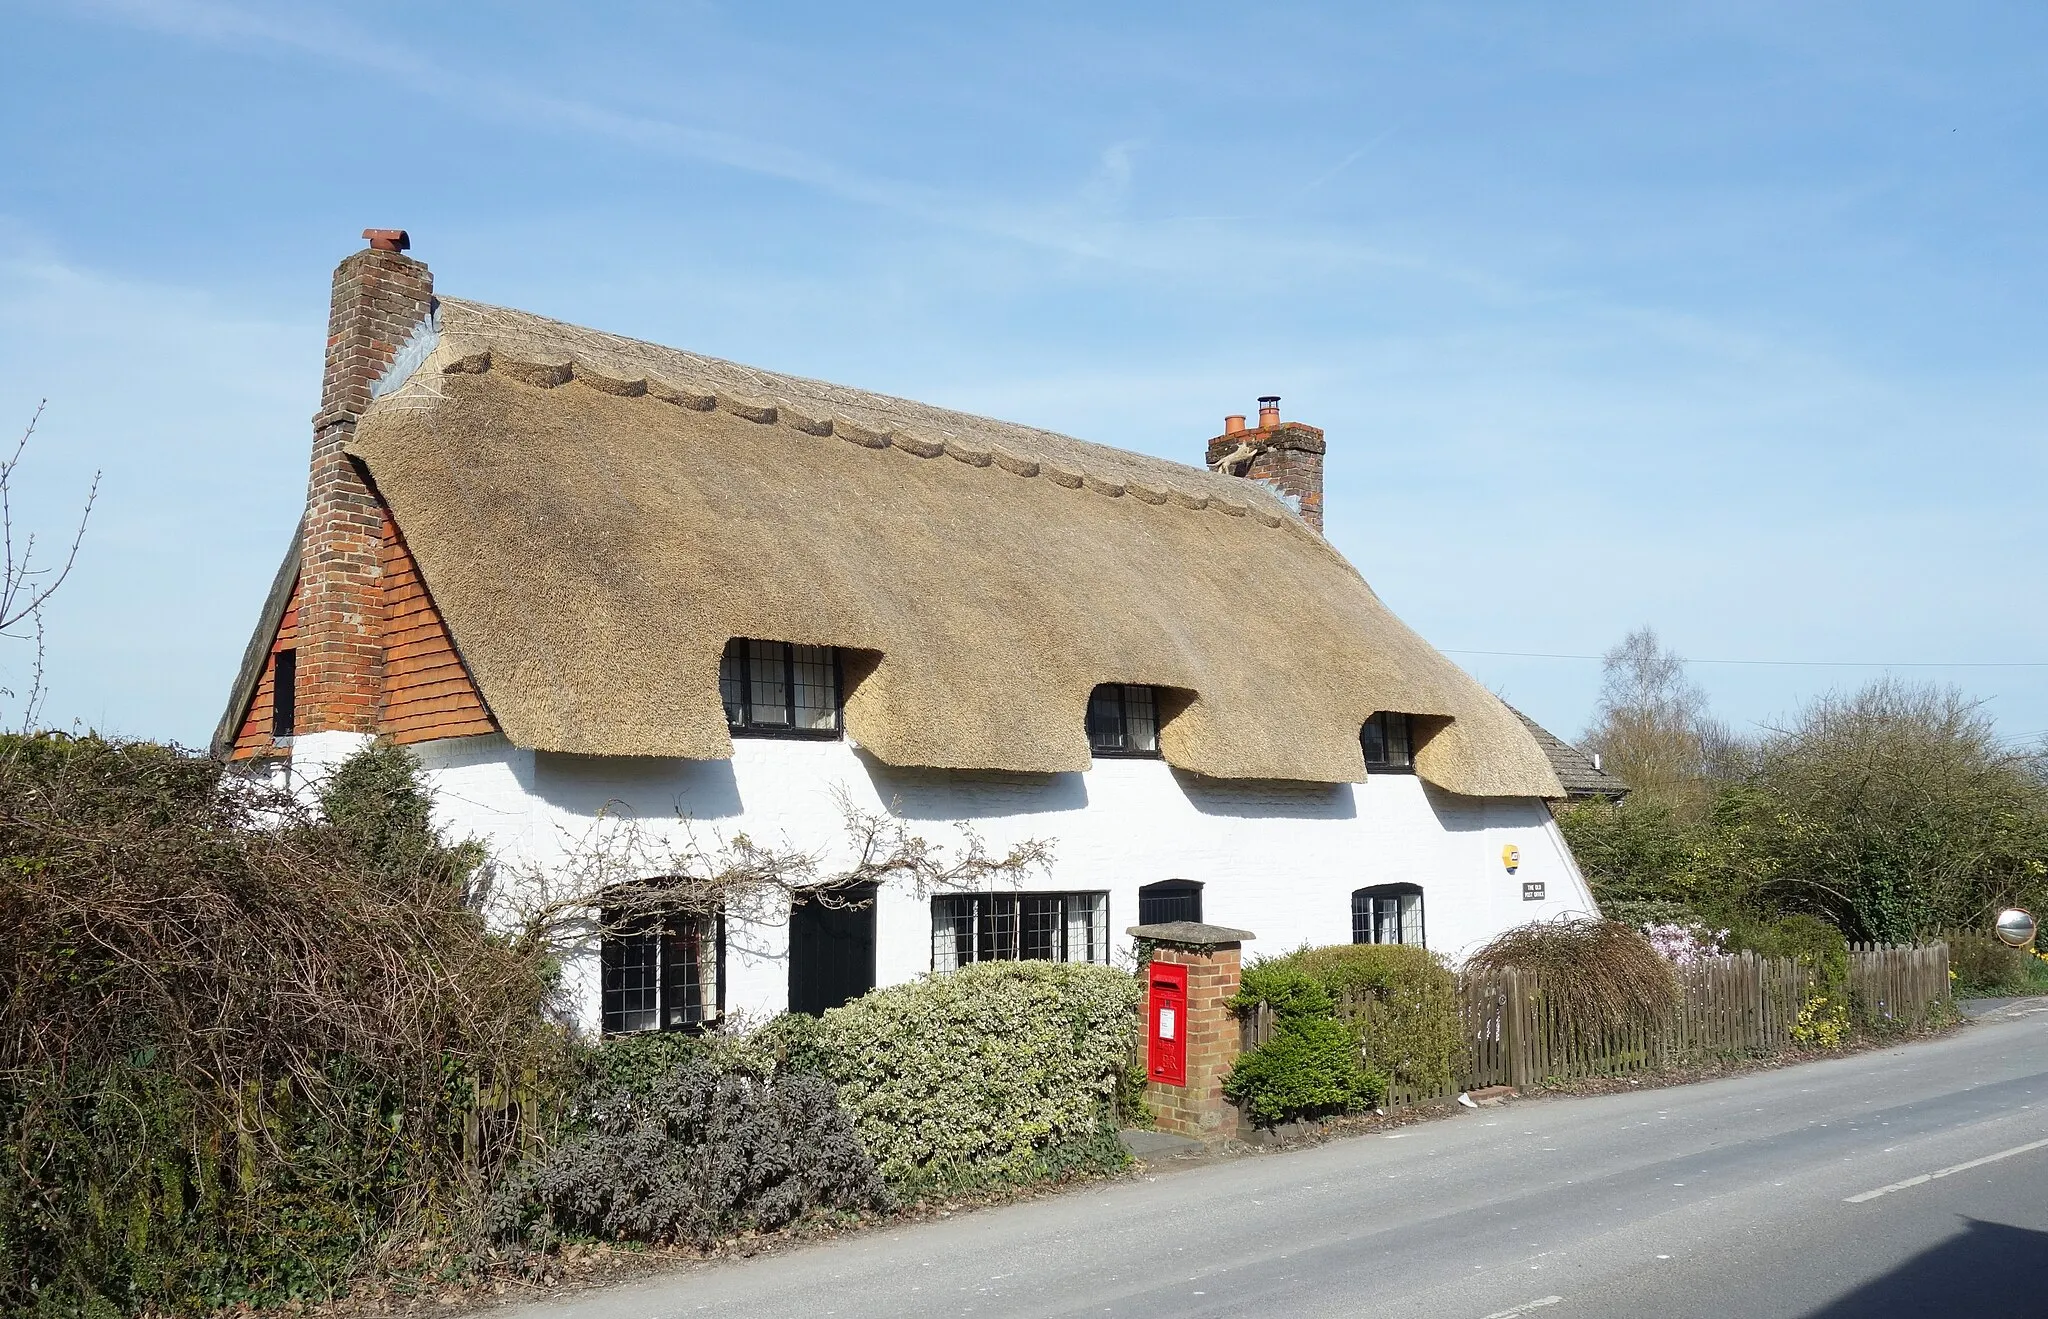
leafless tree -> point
(622, 870)
(1652, 725)
(26, 585)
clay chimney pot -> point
(388, 240)
(1234, 424)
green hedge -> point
(1001, 1071)
(1309, 1068)
(1413, 1034)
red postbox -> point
(1166, 1032)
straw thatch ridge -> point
(597, 516)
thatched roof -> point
(596, 516)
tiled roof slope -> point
(1575, 768)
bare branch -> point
(622, 871)
(25, 587)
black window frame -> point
(1372, 893)
(997, 921)
(284, 694)
(1101, 741)
(1182, 894)
(622, 944)
(741, 649)
(1385, 723)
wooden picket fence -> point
(1729, 1007)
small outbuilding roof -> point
(1577, 770)
(597, 516)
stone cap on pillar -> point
(1191, 934)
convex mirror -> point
(2015, 927)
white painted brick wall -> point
(1280, 860)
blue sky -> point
(1724, 318)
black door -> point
(832, 950)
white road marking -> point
(1946, 1172)
(1524, 1307)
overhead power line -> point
(1800, 664)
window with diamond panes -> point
(660, 972)
(1386, 742)
(1123, 720)
(775, 688)
(1047, 927)
(1387, 913)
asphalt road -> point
(1912, 1181)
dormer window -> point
(1388, 748)
(777, 689)
(1123, 720)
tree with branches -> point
(27, 582)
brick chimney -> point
(1285, 455)
(381, 297)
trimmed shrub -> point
(693, 1154)
(1283, 985)
(1412, 1032)
(1000, 1071)
(1310, 1068)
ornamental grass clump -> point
(1598, 975)
(997, 1072)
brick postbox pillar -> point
(1189, 1038)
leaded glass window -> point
(1385, 739)
(775, 688)
(1387, 913)
(1123, 720)
(660, 972)
(1049, 927)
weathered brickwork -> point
(1289, 458)
(1198, 1108)
(426, 689)
(380, 298)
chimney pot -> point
(1269, 411)
(388, 240)
(1234, 424)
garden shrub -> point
(240, 1041)
(1986, 968)
(691, 1154)
(1311, 1067)
(1808, 940)
(1822, 1023)
(1413, 1033)
(1600, 975)
(1000, 1071)
(1281, 984)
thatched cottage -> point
(591, 579)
